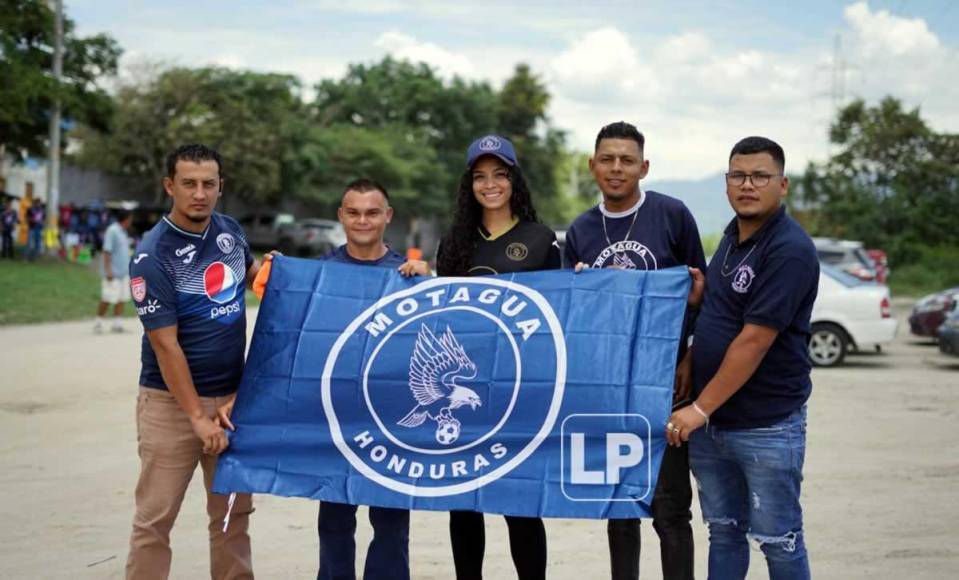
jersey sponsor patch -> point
(219, 283)
(138, 287)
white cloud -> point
(883, 33)
(603, 66)
(404, 47)
(694, 97)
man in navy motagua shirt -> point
(365, 212)
(188, 277)
(751, 374)
(642, 230)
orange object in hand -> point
(262, 277)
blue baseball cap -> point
(491, 145)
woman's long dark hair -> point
(456, 247)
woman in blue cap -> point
(495, 231)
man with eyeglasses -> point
(634, 229)
(746, 426)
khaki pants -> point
(169, 453)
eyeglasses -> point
(738, 178)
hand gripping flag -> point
(533, 394)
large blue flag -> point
(534, 394)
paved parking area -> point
(882, 474)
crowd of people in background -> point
(78, 237)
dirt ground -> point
(880, 494)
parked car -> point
(931, 311)
(847, 255)
(311, 237)
(263, 229)
(849, 314)
(949, 334)
(881, 263)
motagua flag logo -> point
(628, 255)
(447, 386)
(219, 283)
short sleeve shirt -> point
(525, 247)
(196, 282)
(770, 279)
(659, 232)
(116, 241)
(388, 260)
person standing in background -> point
(8, 221)
(115, 272)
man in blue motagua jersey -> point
(747, 425)
(188, 277)
(365, 212)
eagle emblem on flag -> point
(436, 367)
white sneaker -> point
(97, 328)
(117, 328)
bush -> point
(932, 269)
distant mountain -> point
(706, 198)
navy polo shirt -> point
(770, 279)
(388, 260)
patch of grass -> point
(933, 269)
(49, 290)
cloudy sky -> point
(694, 76)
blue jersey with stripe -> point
(196, 282)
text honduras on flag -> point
(488, 393)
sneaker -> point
(97, 328)
(118, 329)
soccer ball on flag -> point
(447, 432)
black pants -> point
(7, 245)
(671, 520)
(527, 545)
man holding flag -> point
(188, 279)
(747, 426)
(633, 229)
(365, 212)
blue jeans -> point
(749, 482)
(388, 556)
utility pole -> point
(837, 89)
(53, 167)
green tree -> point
(540, 147)
(395, 155)
(444, 117)
(28, 90)
(257, 121)
(894, 182)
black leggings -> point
(527, 545)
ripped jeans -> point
(749, 482)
